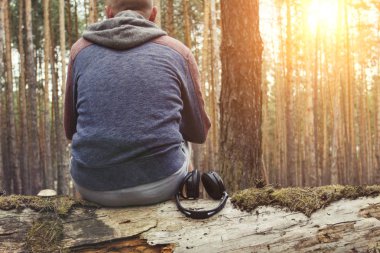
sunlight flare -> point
(323, 14)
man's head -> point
(144, 7)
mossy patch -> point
(60, 205)
(305, 200)
(45, 235)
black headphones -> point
(214, 186)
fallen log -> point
(35, 224)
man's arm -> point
(70, 114)
(195, 122)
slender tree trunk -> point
(60, 171)
(205, 46)
(23, 147)
(215, 81)
(240, 106)
(35, 170)
(290, 143)
(315, 171)
(157, 3)
(353, 170)
(14, 165)
(377, 109)
(93, 16)
(62, 39)
(186, 17)
(377, 133)
(170, 18)
(280, 105)
(325, 179)
(2, 73)
(49, 175)
(76, 20)
(69, 25)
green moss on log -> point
(60, 205)
(305, 200)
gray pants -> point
(145, 194)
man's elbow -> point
(200, 137)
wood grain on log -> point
(344, 226)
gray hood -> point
(126, 30)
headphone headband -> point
(214, 187)
(202, 214)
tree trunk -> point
(62, 39)
(290, 142)
(170, 18)
(215, 81)
(93, 17)
(58, 150)
(34, 164)
(186, 17)
(76, 20)
(344, 226)
(49, 176)
(69, 24)
(2, 73)
(240, 101)
(377, 123)
(14, 165)
(23, 147)
(157, 3)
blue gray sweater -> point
(132, 97)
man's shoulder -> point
(79, 46)
(174, 44)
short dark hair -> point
(134, 5)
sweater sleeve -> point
(195, 122)
(70, 113)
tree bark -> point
(2, 73)
(186, 17)
(14, 174)
(157, 3)
(69, 24)
(23, 146)
(47, 159)
(215, 81)
(377, 110)
(76, 21)
(93, 16)
(62, 39)
(170, 18)
(240, 101)
(290, 143)
(344, 226)
(34, 164)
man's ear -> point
(153, 15)
(109, 12)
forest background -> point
(292, 88)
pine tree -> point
(34, 164)
(240, 102)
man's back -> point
(130, 110)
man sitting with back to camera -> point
(133, 100)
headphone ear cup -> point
(213, 185)
(192, 185)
